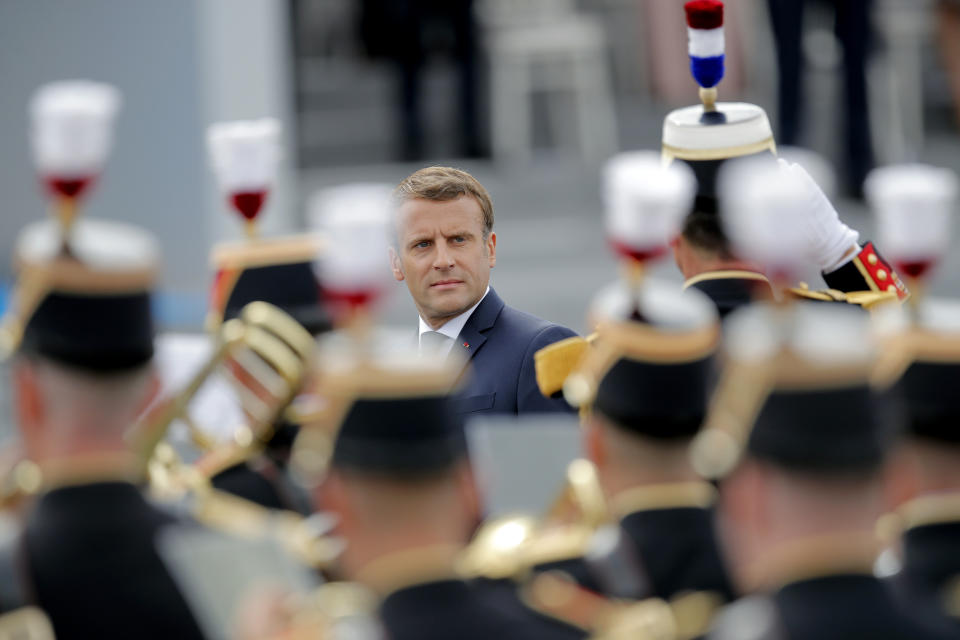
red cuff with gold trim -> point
(867, 271)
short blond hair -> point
(443, 184)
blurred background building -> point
(529, 95)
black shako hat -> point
(86, 305)
(705, 137)
(400, 435)
(799, 392)
(275, 270)
(651, 367)
(835, 424)
(397, 408)
(930, 352)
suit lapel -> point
(473, 334)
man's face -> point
(443, 256)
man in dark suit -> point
(88, 553)
(445, 248)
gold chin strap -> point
(685, 617)
(671, 153)
(31, 288)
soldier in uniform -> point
(81, 376)
(801, 505)
(402, 488)
(706, 137)
(929, 469)
(648, 385)
(80, 332)
(278, 271)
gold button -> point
(892, 288)
(872, 258)
(881, 274)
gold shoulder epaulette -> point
(865, 299)
(553, 595)
(26, 623)
(556, 361)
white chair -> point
(546, 45)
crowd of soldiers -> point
(759, 460)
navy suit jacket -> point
(500, 342)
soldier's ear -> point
(328, 495)
(742, 496)
(28, 398)
(679, 246)
(469, 492)
(594, 443)
(901, 478)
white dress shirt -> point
(452, 327)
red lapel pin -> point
(466, 345)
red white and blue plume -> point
(705, 28)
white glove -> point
(830, 243)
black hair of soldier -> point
(702, 227)
(691, 384)
(703, 232)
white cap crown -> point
(355, 220)
(245, 153)
(762, 207)
(645, 200)
(72, 127)
(913, 204)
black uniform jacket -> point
(841, 606)
(267, 485)
(733, 288)
(662, 552)
(729, 289)
(466, 610)
(931, 566)
(94, 567)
